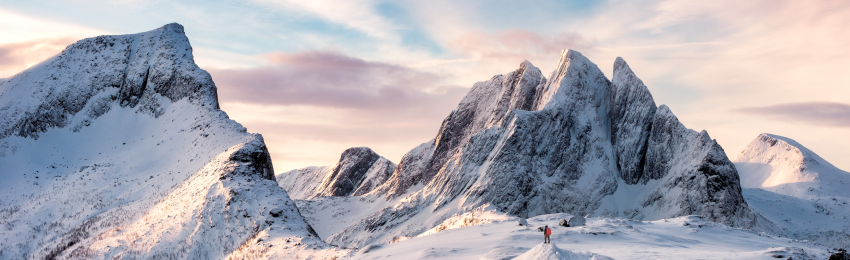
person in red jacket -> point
(546, 233)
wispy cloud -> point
(357, 14)
(15, 57)
(313, 105)
(516, 44)
(702, 58)
(819, 113)
(333, 80)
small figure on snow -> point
(546, 233)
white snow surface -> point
(688, 237)
(302, 183)
(784, 166)
(116, 148)
(796, 189)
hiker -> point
(546, 233)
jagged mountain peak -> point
(631, 111)
(356, 152)
(350, 172)
(579, 143)
(623, 72)
(358, 171)
(575, 77)
(526, 65)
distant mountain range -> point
(116, 149)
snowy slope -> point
(358, 172)
(782, 165)
(302, 183)
(688, 237)
(795, 188)
(116, 147)
(576, 143)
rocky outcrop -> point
(576, 143)
(358, 172)
(356, 166)
(631, 113)
(485, 106)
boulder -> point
(576, 221)
(523, 222)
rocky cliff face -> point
(116, 148)
(576, 143)
(631, 111)
(358, 172)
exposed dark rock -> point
(349, 172)
(358, 172)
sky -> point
(317, 77)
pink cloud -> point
(515, 45)
(16, 57)
(332, 80)
(310, 106)
(818, 113)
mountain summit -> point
(358, 171)
(576, 143)
(782, 165)
(116, 148)
(795, 188)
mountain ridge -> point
(117, 147)
(358, 171)
(575, 143)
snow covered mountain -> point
(575, 143)
(798, 190)
(358, 172)
(116, 148)
(781, 165)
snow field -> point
(688, 237)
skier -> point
(546, 233)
